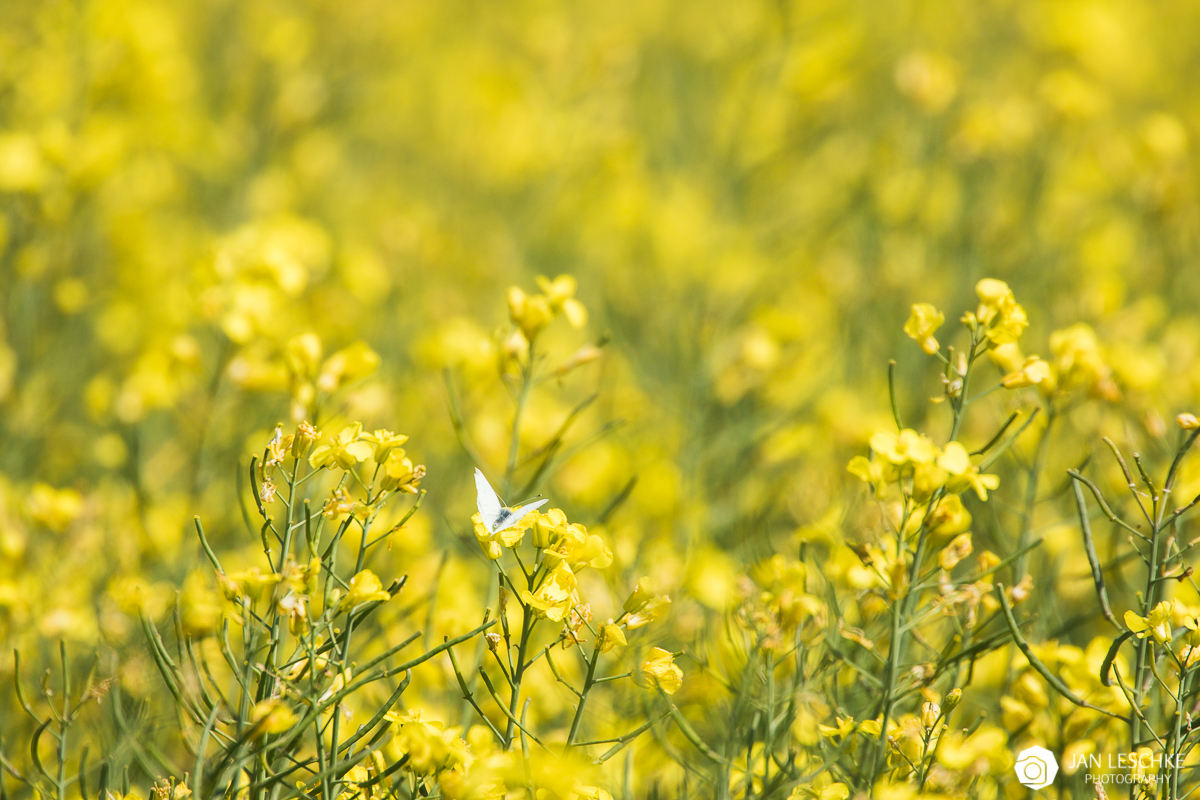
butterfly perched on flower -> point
(495, 515)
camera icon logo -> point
(1036, 767)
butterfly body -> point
(495, 515)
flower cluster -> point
(532, 313)
(920, 467)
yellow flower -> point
(365, 587)
(922, 323)
(272, 716)
(950, 517)
(999, 310)
(846, 727)
(200, 608)
(385, 441)
(560, 292)
(652, 610)
(876, 471)
(295, 608)
(251, 584)
(1189, 655)
(927, 479)
(1034, 372)
(959, 750)
(399, 474)
(548, 527)
(303, 355)
(1010, 326)
(644, 606)
(1187, 616)
(578, 548)
(1080, 362)
(277, 449)
(303, 439)
(346, 365)
(54, 508)
(992, 294)
(1007, 357)
(340, 503)
(591, 793)
(611, 636)
(345, 451)
(965, 475)
(338, 684)
(555, 596)
(1187, 421)
(958, 549)
(955, 459)
(834, 791)
(986, 561)
(906, 447)
(1157, 624)
(1143, 769)
(509, 537)
(660, 670)
(529, 313)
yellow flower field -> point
(848, 354)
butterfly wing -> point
(488, 503)
(515, 514)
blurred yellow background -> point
(751, 194)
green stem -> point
(514, 701)
(902, 607)
(1031, 487)
(588, 683)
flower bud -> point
(930, 712)
(545, 530)
(638, 598)
(303, 439)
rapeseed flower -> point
(54, 508)
(365, 587)
(343, 451)
(905, 448)
(385, 442)
(560, 293)
(271, 717)
(611, 636)
(1157, 624)
(400, 474)
(555, 596)
(921, 325)
(1034, 372)
(659, 670)
(963, 474)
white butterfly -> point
(497, 516)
